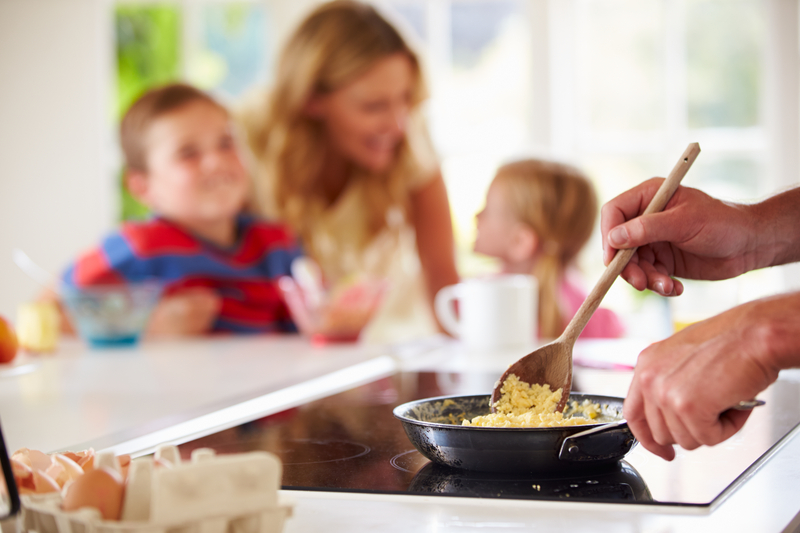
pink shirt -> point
(604, 323)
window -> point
(618, 87)
(649, 77)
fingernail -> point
(618, 236)
(659, 286)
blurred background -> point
(618, 87)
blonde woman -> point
(537, 218)
(340, 151)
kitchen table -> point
(172, 391)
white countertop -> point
(79, 397)
(131, 400)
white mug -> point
(494, 312)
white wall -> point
(55, 197)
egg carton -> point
(235, 493)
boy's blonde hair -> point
(559, 204)
(148, 108)
(334, 45)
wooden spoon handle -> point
(617, 265)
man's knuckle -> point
(683, 407)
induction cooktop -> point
(351, 442)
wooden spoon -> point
(552, 363)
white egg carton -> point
(235, 493)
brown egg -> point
(101, 488)
(23, 475)
(72, 455)
(87, 463)
(85, 459)
(63, 469)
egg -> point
(64, 469)
(526, 405)
(101, 488)
(23, 475)
(85, 459)
(33, 458)
(44, 483)
(32, 480)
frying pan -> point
(433, 427)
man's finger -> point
(729, 423)
(633, 410)
(657, 281)
(658, 427)
(624, 207)
(635, 276)
(628, 205)
(680, 433)
(643, 434)
(649, 229)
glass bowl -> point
(111, 315)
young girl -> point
(537, 218)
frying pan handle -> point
(604, 442)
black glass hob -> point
(351, 442)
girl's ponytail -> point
(548, 274)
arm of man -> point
(683, 387)
(698, 237)
(781, 226)
(430, 215)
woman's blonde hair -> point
(559, 204)
(335, 44)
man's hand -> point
(684, 386)
(191, 311)
(695, 237)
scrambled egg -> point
(524, 405)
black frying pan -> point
(433, 426)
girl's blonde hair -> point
(559, 204)
(335, 44)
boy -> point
(220, 268)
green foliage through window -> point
(148, 54)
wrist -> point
(776, 329)
(776, 229)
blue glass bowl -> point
(111, 315)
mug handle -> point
(443, 305)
